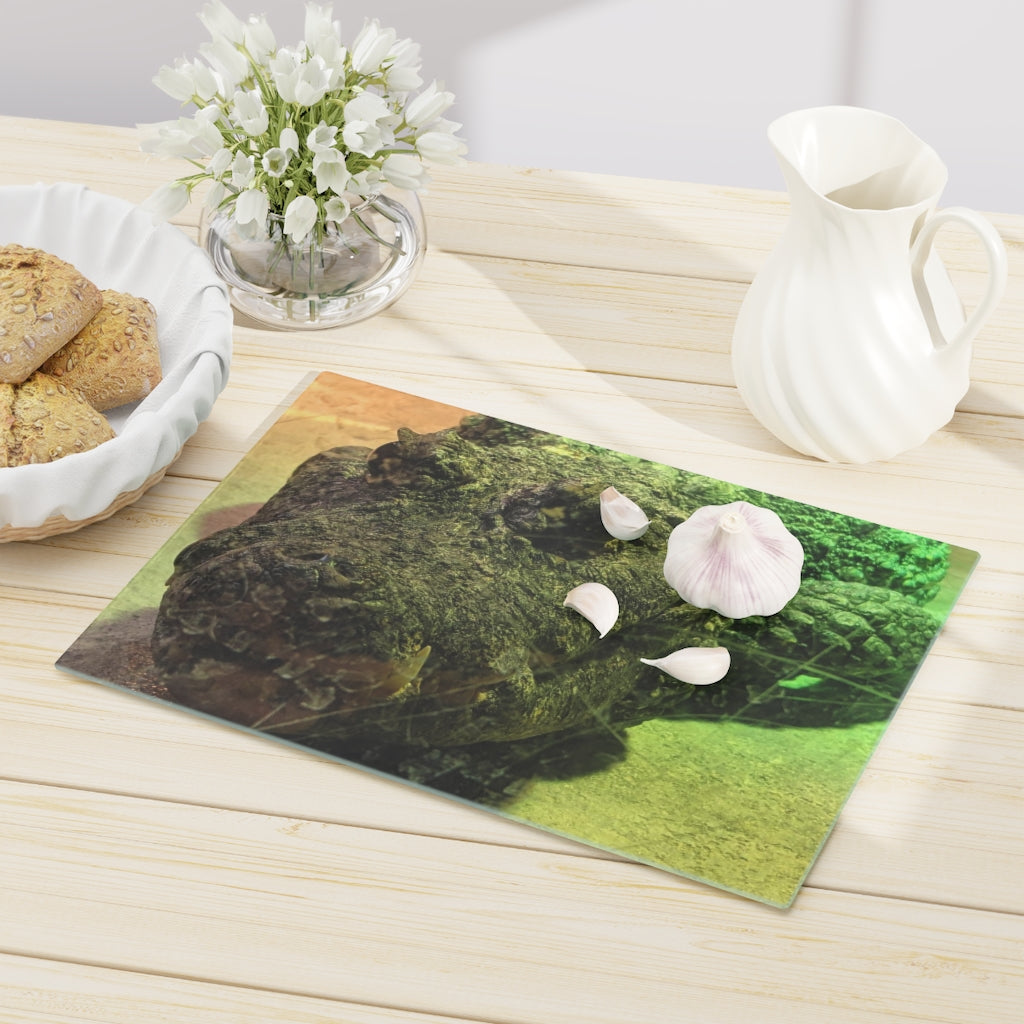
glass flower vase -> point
(357, 268)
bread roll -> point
(115, 358)
(44, 302)
(42, 420)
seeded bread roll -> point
(44, 302)
(115, 358)
(42, 420)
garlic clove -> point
(696, 665)
(623, 518)
(737, 559)
(596, 603)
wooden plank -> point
(62, 730)
(938, 789)
(540, 214)
(329, 911)
(645, 307)
(686, 425)
(659, 335)
(921, 837)
(651, 226)
(103, 558)
(495, 312)
(103, 158)
(671, 420)
(54, 992)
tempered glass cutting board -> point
(381, 580)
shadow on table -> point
(666, 346)
(678, 333)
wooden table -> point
(159, 867)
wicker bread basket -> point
(117, 245)
(59, 524)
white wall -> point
(678, 89)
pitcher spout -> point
(857, 159)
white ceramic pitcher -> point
(851, 344)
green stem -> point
(393, 246)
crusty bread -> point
(42, 420)
(115, 358)
(44, 302)
(6, 423)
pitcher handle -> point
(995, 250)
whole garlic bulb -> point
(737, 559)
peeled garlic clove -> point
(596, 603)
(623, 518)
(737, 559)
(697, 665)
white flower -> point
(330, 171)
(205, 83)
(289, 141)
(337, 208)
(367, 124)
(249, 113)
(366, 183)
(403, 74)
(275, 161)
(220, 162)
(367, 106)
(441, 124)
(255, 138)
(321, 34)
(405, 170)
(167, 200)
(185, 137)
(321, 137)
(312, 81)
(242, 170)
(428, 106)
(285, 67)
(259, 37)
(176, 82)
(167, 138)
(440, 148)
(251, 206)
(208, 138)
(362, 137)
(221, 23)
(215, 195)
(323, 40)
(228, 61)
(299, 218)
(371, 46)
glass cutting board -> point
(381, 579)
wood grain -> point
(155, 865)
(919, 799)
(326, 908)
(57, 992)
